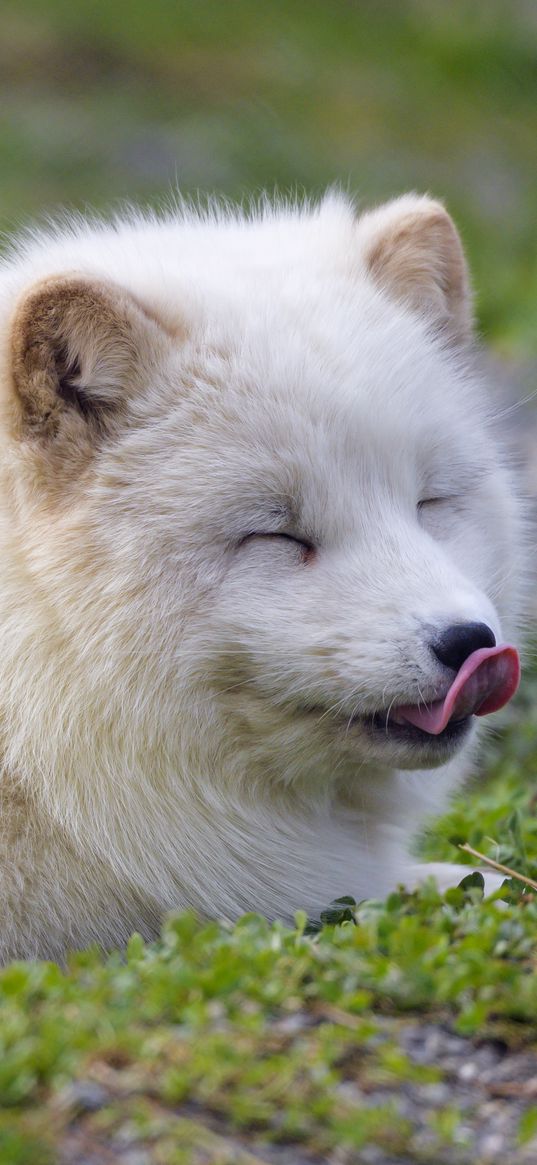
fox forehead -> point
(279, 404)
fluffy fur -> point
(245, 472)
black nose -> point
(456, 643)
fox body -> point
(247, 479)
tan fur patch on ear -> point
(56, 320)
(413, 251)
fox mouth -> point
(382, 724)
(485, 682)
(386, 728)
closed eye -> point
(438, 513)
(307, 548)
(437, 501)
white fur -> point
(176, 702)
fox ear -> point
(74, 346)
(412, 250)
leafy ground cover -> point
(260, 1035)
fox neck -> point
(189, 845)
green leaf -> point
(335, 915)
(514, 826)
(527, 1128)
(471, 883)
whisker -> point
(512, 408)
(390, 706)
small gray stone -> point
(83, 1096)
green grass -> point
(255, 1029)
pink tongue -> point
(485, 682)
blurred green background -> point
(108, 101)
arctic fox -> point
(258, 562)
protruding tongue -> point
(485, 682)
